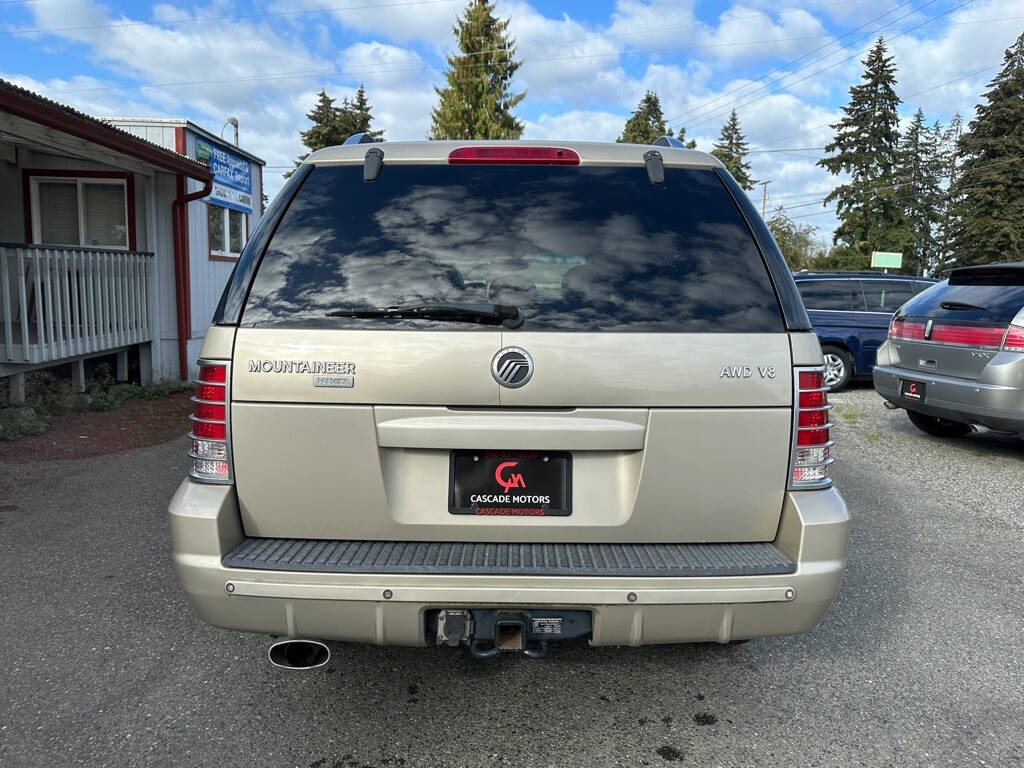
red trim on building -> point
(129, 191)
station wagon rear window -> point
(581, 248)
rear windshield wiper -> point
(484, 314)
(955, 305)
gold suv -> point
(499, 394)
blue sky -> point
(784, 65)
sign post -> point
(886, 259)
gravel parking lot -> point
(918, 662)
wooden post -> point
(78, 375)
(16, 389)
(146, 364)
(122, 365)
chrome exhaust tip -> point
(298, 653)
(890, 406)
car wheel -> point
(838, 368)
(938, 427)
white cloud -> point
(744, 33)
(575, 125)
(645, 25)
(400, 21)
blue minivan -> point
(850, 312)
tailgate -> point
(680, 454)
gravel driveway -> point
(918, 662)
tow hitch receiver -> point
(489, 632)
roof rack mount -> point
(669, 141)
(359, 138)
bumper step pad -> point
(472, 558)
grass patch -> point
(851, 415)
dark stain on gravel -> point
(669, 754)
(704, 718)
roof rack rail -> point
(669, 141)
(359, 138)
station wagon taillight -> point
(950, 334)
(983, 337)
(1014, 341)
(812, 444)
(210, 449)
(906, 330)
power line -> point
(375, 70)
(788, 64)
(881, 185)
(237, 17)
(841, 61)
(910, 95)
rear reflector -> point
(1014, 339)
(523, 155)
(210, 451)
(810, 459)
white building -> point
(116, 238)
(218, 224)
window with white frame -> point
(80, 211)
(227, 231)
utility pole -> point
(764, 196)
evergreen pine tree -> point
(948, 216)
(921, 170)
(358, 114)
(332, 124)
(988, 189)
(866, 146)
(477, 102)
(688, 143)
(732, 149)
(647, 123)
(326, 130)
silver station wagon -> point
(954, 358)
(497, 395)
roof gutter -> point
(182, 284)
(59, 118)
(179, 214)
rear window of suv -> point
(585, 248)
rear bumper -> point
(205, 526)
(996, 406)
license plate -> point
(912, 390)
(510, 483)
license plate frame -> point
(912, 390)
(532, 483)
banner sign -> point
(232, 176)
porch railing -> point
(65, 302)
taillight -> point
(1014, 339)
(952, 334)
(513, 155)
(210, 452)
(906, 330)
(985, 337)
(811, 459)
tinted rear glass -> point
(1000, 301)
(584, 248)
(827, 294)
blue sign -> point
(232, 175)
